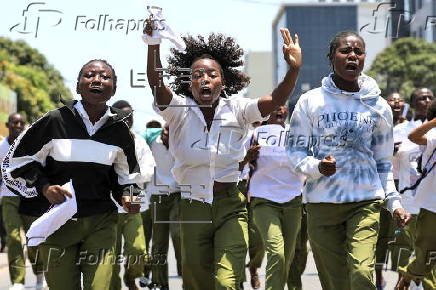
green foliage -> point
(407, 64)
(27, 72)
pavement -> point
(309, 278)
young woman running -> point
(342, 141)
(206, 140)
(89, 143)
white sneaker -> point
(413, 286)
(17, 286)
(40, 282)
(144, 282)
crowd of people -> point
(352, 172)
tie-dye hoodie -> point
(356, 129)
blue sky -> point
(67, 34)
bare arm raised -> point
(161, 93)
(293, 56)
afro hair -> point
(218, 47)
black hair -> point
(336, 41)
(395, 93)
(224, 50)
(14, 114)
(431, 110)
(121, 104)
(153, 124)
(114, 76)
(415, 94)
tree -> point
(407, 64)
(27, 72)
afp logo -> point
(35, 16)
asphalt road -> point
(310, 276)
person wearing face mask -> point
(89, 143)
(207, 131)
(164, 203)
(275, 191)
(342, 142)
(130, 227)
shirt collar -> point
(82, 112)
(194, 107)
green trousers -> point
(147, 224)
(402, 249)
(402, 245)
(135, 253)
(214, 241)
(165, 216)
(279, 225)
(13, 223)
(84, 246)
(385, 238)
(299, 262)
(343, 238)
(256, 249)
(422, 267)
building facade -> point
(316, 24)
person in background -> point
(424, 262)
(386, 232)
(275, 191)
(153, 124)
(147, 222)
(164, 202)
(14, 220)
(256, 249)
(130, 228)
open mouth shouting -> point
(96, 90)
(351, 67)
(206, 93)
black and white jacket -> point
(57, 148)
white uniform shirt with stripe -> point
(407, 156)
(203, 156)
(274, 179)
(405, 163)
(4, 148)
(146, 164)
(162, 181)
(425, 193)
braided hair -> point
(114, 76)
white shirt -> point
(246, 170)
(407, 157)
(4, 148)
(92, 128)
(202, 156)
(405, 166)
(426, 193)
(163, 181)
(274, 178)
(146, 165)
